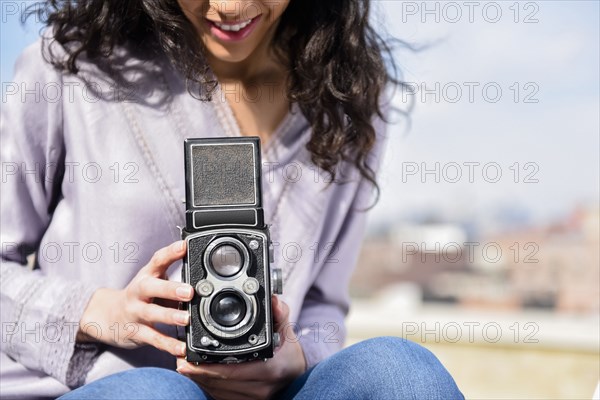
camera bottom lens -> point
(228, 309)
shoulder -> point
(31, 56)
(34, 61)
(37, 63)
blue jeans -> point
(380, 368)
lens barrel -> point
(226, 257)
(228, 309)
(226, 260)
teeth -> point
(234, 27)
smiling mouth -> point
(235, 30)
(233, 26)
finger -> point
(229, 381)
(241, 394)
(163, 258)
(155, 313)
(219, 388)
(251, 371)
(160, 341)
(150, 287)
(224, 393)
(181, 361)
(187, 368)
(281, 313)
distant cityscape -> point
(554, 266)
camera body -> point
(228, 253)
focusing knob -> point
(276, 281)
(276, 339)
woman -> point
(100, 208)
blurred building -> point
(552, 267)
(565, 271)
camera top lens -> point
(226, 260)
(228, 309)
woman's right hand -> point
(125, 318)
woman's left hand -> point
(254, 379)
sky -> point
(505, 119)
(547, 119)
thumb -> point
(281, 313)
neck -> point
(261, 65)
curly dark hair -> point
(338, 64)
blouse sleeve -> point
(326, 304)
(40, 315)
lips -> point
(235, 27)
(233, 31)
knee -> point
(172, 385)
(162, 383)
(397, 353)
(141, 383)
(391, 351)
(412, 367)
(393, 367)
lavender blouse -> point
(92, 186)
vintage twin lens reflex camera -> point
(228, 253)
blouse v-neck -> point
(281, 144)
(231, 126)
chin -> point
(224, 55)
(231, 58)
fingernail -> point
(181, 366)
(178, 246)
(184, 291)
(182, 370)
(182, 318)
(182, 348)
